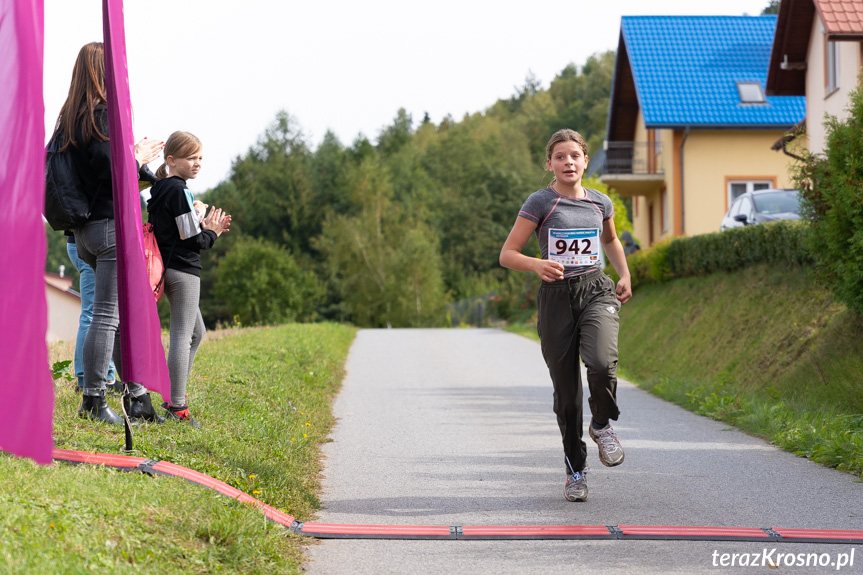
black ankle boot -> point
(142, 408)
(95, 407)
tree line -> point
(391, 231)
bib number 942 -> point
(562, 247)
(576, 247)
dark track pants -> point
(579, 316)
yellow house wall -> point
(818, 101)
(64, 310)
(640, 222)
(667, 163)
(712, 157)
(639, 215)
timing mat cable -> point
(581, 532)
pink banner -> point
(140, 332)
(26, 388)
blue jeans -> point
(88, 288)
(96, 246)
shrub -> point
(832, 200)
(514, 300)
(782, 242)
(261, 283)
(647, 266)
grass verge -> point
(764, 349)
(263, 397)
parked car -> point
(762, 206)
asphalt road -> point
(455, 427)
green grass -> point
(765, 349)
(244, 388)
(525, 329)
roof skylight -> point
(750, 93)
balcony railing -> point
(632, 158)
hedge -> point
(781, 242)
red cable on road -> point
(336, 531)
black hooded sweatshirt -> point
(177, 226)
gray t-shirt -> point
(571, 226)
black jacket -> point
(170, 211)
(94, 168)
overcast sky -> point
(222, 70)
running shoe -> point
(576, 486)
(610, 451)
(180, 413)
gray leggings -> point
(183, 291)
(96, 246)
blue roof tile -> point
(686, 70)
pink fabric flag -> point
(140, 332)
(26, 388)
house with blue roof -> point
(690, 127)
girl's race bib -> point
(577, 247)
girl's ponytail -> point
(162, 172)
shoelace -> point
(608, 440)
(582, 474)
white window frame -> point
(750, 186)
(831, 62)
(832, 66)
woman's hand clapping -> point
(147, 150)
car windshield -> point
(778, 202)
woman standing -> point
(83, 128)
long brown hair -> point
(85, 93)
(179, 145)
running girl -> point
(577, 304)
(181, 234)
